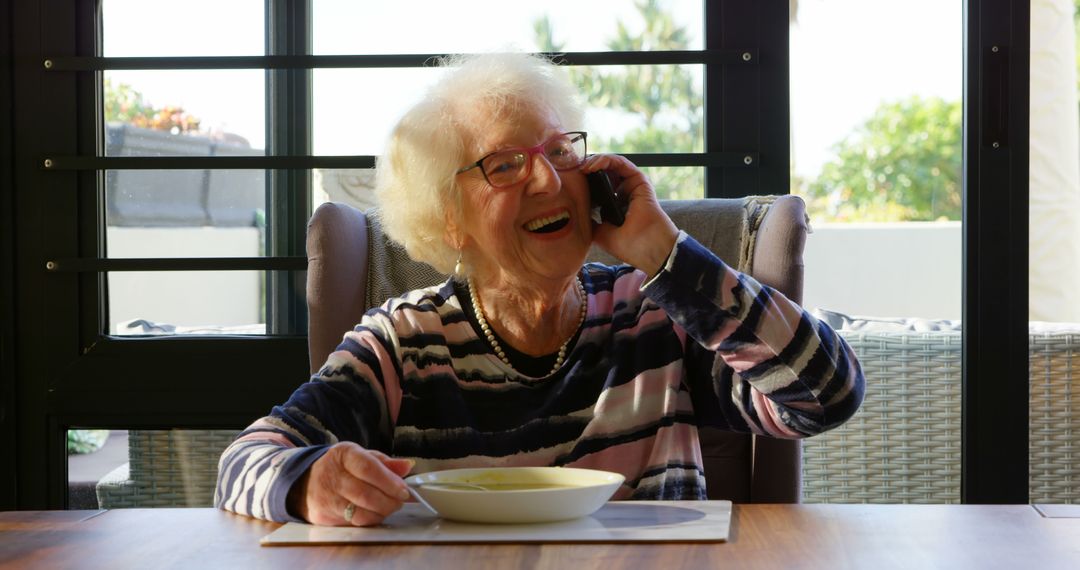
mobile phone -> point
(611, 208)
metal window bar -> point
(718, 159)
(739, 56)
(108, 265)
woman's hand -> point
(345, 474)
(647, 236)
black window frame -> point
(59, 371)
(97, 380)
(995, 374)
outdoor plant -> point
(126, 105)
(85, 440)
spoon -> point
(419, 499)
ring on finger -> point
(350, 510)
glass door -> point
(877, 155)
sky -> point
(847, 56)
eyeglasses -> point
(507, 167)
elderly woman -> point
(525, 357)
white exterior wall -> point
(908, 269)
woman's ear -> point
(455, 238)
(452, 235)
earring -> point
(458, 269)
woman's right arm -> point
(318, 452)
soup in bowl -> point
(516, 494)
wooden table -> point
(762, 536)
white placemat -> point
(617, 521)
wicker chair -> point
(166, 468)
(903, 446)
(1054, 455)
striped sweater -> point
(417, 380)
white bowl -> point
(516, 494)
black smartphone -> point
(603, 196)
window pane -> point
(143, 468)
(345, 26)
(185, 113)
(351, 117)
(187, 302)
(626, 114)
(1054, 257)
(137, 28)
(348, 186)
(677, 183)
(876, 153)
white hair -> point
(415, 178)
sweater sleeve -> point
(349, 399)
(781, 372)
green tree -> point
(1076, 23)
(665, 98)
(902, 164)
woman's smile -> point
(549, 224)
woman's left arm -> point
(787, 375)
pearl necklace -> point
(495, 343)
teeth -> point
(541, 222)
